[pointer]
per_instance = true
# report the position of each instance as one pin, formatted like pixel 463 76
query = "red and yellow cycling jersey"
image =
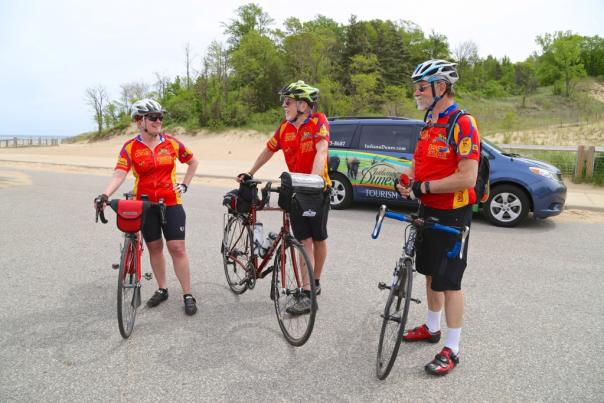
pixel 300 145
pixel 154 170
pixel 434 160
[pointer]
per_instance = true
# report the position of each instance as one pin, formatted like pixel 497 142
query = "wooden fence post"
pixel 579 164
pixel 590 156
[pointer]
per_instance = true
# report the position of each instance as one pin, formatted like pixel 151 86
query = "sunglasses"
pixel 155 118
pixel 422 88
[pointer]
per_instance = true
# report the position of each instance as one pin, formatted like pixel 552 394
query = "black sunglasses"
pixel 155 118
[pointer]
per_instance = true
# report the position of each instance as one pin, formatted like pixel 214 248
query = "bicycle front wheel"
pixel 127 288
pixel 294 292
pixel 236 253
pixel 394 319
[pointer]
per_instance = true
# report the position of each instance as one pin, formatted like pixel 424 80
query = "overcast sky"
pixel 51 51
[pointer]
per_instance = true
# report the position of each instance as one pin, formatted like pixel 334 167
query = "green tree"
pixel 561 59
pixel 525 79
pixel 592 55
pixel 257 71
pixel 250 17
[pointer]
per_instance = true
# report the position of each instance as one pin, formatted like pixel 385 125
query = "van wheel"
pixel 507 206
pixel 341 194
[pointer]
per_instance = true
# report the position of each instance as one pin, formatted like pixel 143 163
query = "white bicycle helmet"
pixel 145 107
pixel 435 70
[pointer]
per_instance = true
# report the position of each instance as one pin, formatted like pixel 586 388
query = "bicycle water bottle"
pixel 268 242
pixel 258 238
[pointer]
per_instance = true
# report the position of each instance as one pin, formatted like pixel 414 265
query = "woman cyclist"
pixel 152 155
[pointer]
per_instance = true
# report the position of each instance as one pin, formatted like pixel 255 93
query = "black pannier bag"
pixel 302 193
pixel 240 200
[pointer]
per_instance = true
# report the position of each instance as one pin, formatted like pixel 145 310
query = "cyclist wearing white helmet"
pixel 304 138
pixel 444 173
pixel 151 156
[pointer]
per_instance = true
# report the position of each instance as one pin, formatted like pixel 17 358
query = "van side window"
pixel 388 138
pixel 340 136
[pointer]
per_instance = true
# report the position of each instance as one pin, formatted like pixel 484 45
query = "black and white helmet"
pixel 145 107
pixel 435 70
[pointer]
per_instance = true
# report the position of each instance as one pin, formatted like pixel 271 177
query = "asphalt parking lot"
pixel 534 312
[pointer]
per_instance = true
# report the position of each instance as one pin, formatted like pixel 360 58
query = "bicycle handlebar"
pixel 113 203
pixel 427 223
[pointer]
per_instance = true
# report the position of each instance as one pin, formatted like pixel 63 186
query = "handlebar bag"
pixel 310 188
pixel 130 215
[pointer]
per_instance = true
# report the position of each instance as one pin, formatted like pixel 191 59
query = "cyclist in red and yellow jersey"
pixel 303 136
pixel 444 174
pixel 152 156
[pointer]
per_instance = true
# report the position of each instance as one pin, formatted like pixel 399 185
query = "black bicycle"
pixel 399 298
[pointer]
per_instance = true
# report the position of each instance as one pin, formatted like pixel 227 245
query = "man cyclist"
pixel 151 155
pixel 444 176
pixel 304 138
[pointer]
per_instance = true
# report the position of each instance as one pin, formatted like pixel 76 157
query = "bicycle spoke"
pixel 293 274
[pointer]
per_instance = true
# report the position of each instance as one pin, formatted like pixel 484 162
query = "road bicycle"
pixel 291 268
pixel 130 217
pixel 394 317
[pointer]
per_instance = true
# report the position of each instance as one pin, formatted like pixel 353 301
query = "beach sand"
pixel 221 156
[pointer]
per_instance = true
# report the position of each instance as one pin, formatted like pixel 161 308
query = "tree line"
pixel 361 68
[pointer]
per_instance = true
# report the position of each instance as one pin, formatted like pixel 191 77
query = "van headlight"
pixel 544 172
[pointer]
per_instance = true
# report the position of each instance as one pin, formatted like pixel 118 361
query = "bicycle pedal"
pixel 115 266
pixel 383 286
pixel 148 276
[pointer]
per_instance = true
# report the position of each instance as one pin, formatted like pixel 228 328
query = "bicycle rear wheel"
pixel 394 319
pixel 127 288
pixel 236 253
pixel 292 275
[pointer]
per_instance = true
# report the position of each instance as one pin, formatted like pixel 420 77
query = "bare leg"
pixel 320 249
pixel 158 262
pixel 436 299
pixel 181 264
pixel 308 248
pixel 454 307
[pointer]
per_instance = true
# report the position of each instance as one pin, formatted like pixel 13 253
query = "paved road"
pixel 535 313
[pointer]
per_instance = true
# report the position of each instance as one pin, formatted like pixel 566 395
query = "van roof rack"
pixel 366 117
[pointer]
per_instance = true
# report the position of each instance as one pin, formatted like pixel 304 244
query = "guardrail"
pixel 40 141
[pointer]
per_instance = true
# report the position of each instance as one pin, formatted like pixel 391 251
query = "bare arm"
pixel 193 163
pixel 318 166
pixel 464 178
pixel 262 159
pixel 119 176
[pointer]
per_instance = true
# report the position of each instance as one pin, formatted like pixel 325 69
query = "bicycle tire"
pixel 390 336
pixel 127 288
pixel 236 253
pixel 296 328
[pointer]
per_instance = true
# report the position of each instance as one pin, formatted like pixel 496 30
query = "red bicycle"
pixel 130 217
pixel 292 272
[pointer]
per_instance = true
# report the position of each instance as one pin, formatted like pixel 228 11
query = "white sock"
pixel 433 321
pixel 453 336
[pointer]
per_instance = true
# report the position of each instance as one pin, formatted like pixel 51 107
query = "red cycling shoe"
pixel 421 333
pixel 443 363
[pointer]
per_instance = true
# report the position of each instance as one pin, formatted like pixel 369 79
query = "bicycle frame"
pixel 259 265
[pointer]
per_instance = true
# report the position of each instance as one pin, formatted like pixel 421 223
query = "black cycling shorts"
pixel 175 224
pixel 432 247
pixel 310 227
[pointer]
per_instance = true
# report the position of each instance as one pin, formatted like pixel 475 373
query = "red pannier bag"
pixel 130 215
